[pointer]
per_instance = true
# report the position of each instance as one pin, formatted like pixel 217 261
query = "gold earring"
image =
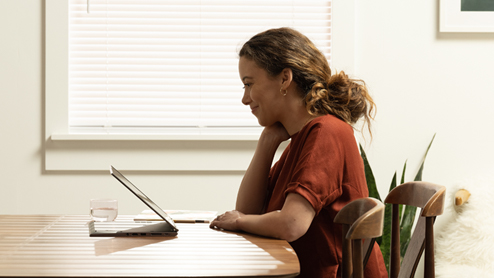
pixel 284 94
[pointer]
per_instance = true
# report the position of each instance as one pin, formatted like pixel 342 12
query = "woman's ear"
pixel 286 78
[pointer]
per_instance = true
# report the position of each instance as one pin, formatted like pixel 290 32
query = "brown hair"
pixel 323 93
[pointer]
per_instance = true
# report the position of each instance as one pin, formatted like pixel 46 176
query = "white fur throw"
pixel 464 246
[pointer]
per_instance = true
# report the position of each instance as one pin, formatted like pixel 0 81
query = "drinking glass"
pixel 103 209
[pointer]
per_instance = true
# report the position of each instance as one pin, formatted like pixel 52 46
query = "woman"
pixel 290 89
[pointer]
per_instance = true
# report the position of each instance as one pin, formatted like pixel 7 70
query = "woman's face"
pixel 261 92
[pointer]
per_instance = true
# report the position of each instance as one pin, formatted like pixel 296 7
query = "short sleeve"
pixel 317 173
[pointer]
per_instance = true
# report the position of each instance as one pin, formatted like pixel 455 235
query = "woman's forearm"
pixel 289 223
pixel 271 224
pixel 253 188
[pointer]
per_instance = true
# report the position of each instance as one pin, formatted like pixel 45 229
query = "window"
pixel 166 66
pixel 93 147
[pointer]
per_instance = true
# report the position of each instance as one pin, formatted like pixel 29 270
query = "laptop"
pixel 114 229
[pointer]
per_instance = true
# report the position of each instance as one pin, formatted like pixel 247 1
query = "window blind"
pixel 172 66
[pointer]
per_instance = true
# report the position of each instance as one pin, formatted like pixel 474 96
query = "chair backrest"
pixel 429 197
pixel 360 219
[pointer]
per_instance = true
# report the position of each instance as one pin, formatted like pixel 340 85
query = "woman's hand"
pixel 276 132
pixel 227 221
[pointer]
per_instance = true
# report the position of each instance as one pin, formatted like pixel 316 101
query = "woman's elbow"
pixel 292 232
pixel 291 237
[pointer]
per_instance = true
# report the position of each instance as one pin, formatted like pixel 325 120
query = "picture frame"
pixel 479 19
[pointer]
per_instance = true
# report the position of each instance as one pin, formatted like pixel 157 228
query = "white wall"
pixel 423 81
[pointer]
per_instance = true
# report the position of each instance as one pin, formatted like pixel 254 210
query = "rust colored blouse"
pixel 322 163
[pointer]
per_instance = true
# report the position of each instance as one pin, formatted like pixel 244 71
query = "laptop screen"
pixel 142 196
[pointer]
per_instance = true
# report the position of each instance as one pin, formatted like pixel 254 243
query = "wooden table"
pixel 60 246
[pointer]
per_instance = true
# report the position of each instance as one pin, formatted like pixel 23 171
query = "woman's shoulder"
pixel 325 130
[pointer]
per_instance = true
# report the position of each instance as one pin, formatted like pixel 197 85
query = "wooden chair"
pixel 430 198
pixel 361 219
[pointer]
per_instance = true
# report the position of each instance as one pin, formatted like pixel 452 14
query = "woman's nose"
pixel 246 97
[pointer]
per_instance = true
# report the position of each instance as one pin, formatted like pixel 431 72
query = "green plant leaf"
pixel 406 228
pixel 418 177
pixel 410 211
pixel 369 176
pixel 403 172
pixel 371 182
pixel 400 208
pixel 385 245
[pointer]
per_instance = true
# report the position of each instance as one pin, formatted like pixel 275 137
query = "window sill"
pixel 151 152
pixel 154 137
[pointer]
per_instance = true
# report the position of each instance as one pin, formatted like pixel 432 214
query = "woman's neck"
pixel 296 119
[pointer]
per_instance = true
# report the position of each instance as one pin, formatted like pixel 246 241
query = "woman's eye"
pixel 245 85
